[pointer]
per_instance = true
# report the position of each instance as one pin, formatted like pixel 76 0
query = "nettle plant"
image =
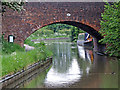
pixel 110 28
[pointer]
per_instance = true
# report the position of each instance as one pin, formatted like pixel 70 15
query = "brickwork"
pixel 85 15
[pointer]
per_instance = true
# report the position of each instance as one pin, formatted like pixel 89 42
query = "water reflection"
pixel 56 79
pixel 76 67
pixel 85 54
pixel 72 64
pixel 65 69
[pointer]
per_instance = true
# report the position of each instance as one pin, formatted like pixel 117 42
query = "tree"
pixel 57 27
pixel 110 28
pixel 74 33
pixel 16 6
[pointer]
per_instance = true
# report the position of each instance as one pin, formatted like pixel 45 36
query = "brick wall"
pixel 37 15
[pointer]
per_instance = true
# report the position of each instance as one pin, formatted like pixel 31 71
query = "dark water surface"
pixel 76 67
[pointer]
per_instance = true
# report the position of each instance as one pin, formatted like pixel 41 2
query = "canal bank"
pixel 24 74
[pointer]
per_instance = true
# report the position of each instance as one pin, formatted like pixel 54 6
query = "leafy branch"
pixel 110 28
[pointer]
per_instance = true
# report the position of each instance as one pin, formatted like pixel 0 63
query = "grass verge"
pixel 19 60
pixel 14 58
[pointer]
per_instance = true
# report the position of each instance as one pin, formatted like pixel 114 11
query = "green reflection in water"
pixel 110 79
pixel 95 70
pixel 37 82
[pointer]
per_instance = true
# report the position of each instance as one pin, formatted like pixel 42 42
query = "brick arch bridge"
pixel 85 15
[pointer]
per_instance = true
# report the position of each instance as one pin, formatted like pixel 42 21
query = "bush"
pixel 110 28
pixel 29 42
pixel 8 48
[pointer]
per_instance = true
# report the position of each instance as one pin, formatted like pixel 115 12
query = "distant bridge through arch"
pixel 84 15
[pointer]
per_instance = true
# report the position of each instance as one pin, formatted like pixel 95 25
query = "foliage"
pixel 29 42
pixel 110 28
pixel 8 48
pixel 74 33
pixel 57 27
pixel 16 6
pixel 45 33
pixel 19 60
pixel 55 31
pixel 14 58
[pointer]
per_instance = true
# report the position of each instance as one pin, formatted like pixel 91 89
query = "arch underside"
pixel 98 47
pixel 84 27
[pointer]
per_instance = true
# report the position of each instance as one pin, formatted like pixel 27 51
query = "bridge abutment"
pixel 98 47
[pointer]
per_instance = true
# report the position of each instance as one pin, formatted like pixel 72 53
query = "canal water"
pixel 76 67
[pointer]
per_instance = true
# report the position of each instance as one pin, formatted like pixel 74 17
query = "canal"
pixel 76 67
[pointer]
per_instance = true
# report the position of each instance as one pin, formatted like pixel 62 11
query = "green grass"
pixel 16 61
pixel 8 48
pixel 14 58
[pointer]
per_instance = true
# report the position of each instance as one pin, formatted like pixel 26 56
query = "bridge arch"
pixel 84 27
pixel 84 15
pixel 95 34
